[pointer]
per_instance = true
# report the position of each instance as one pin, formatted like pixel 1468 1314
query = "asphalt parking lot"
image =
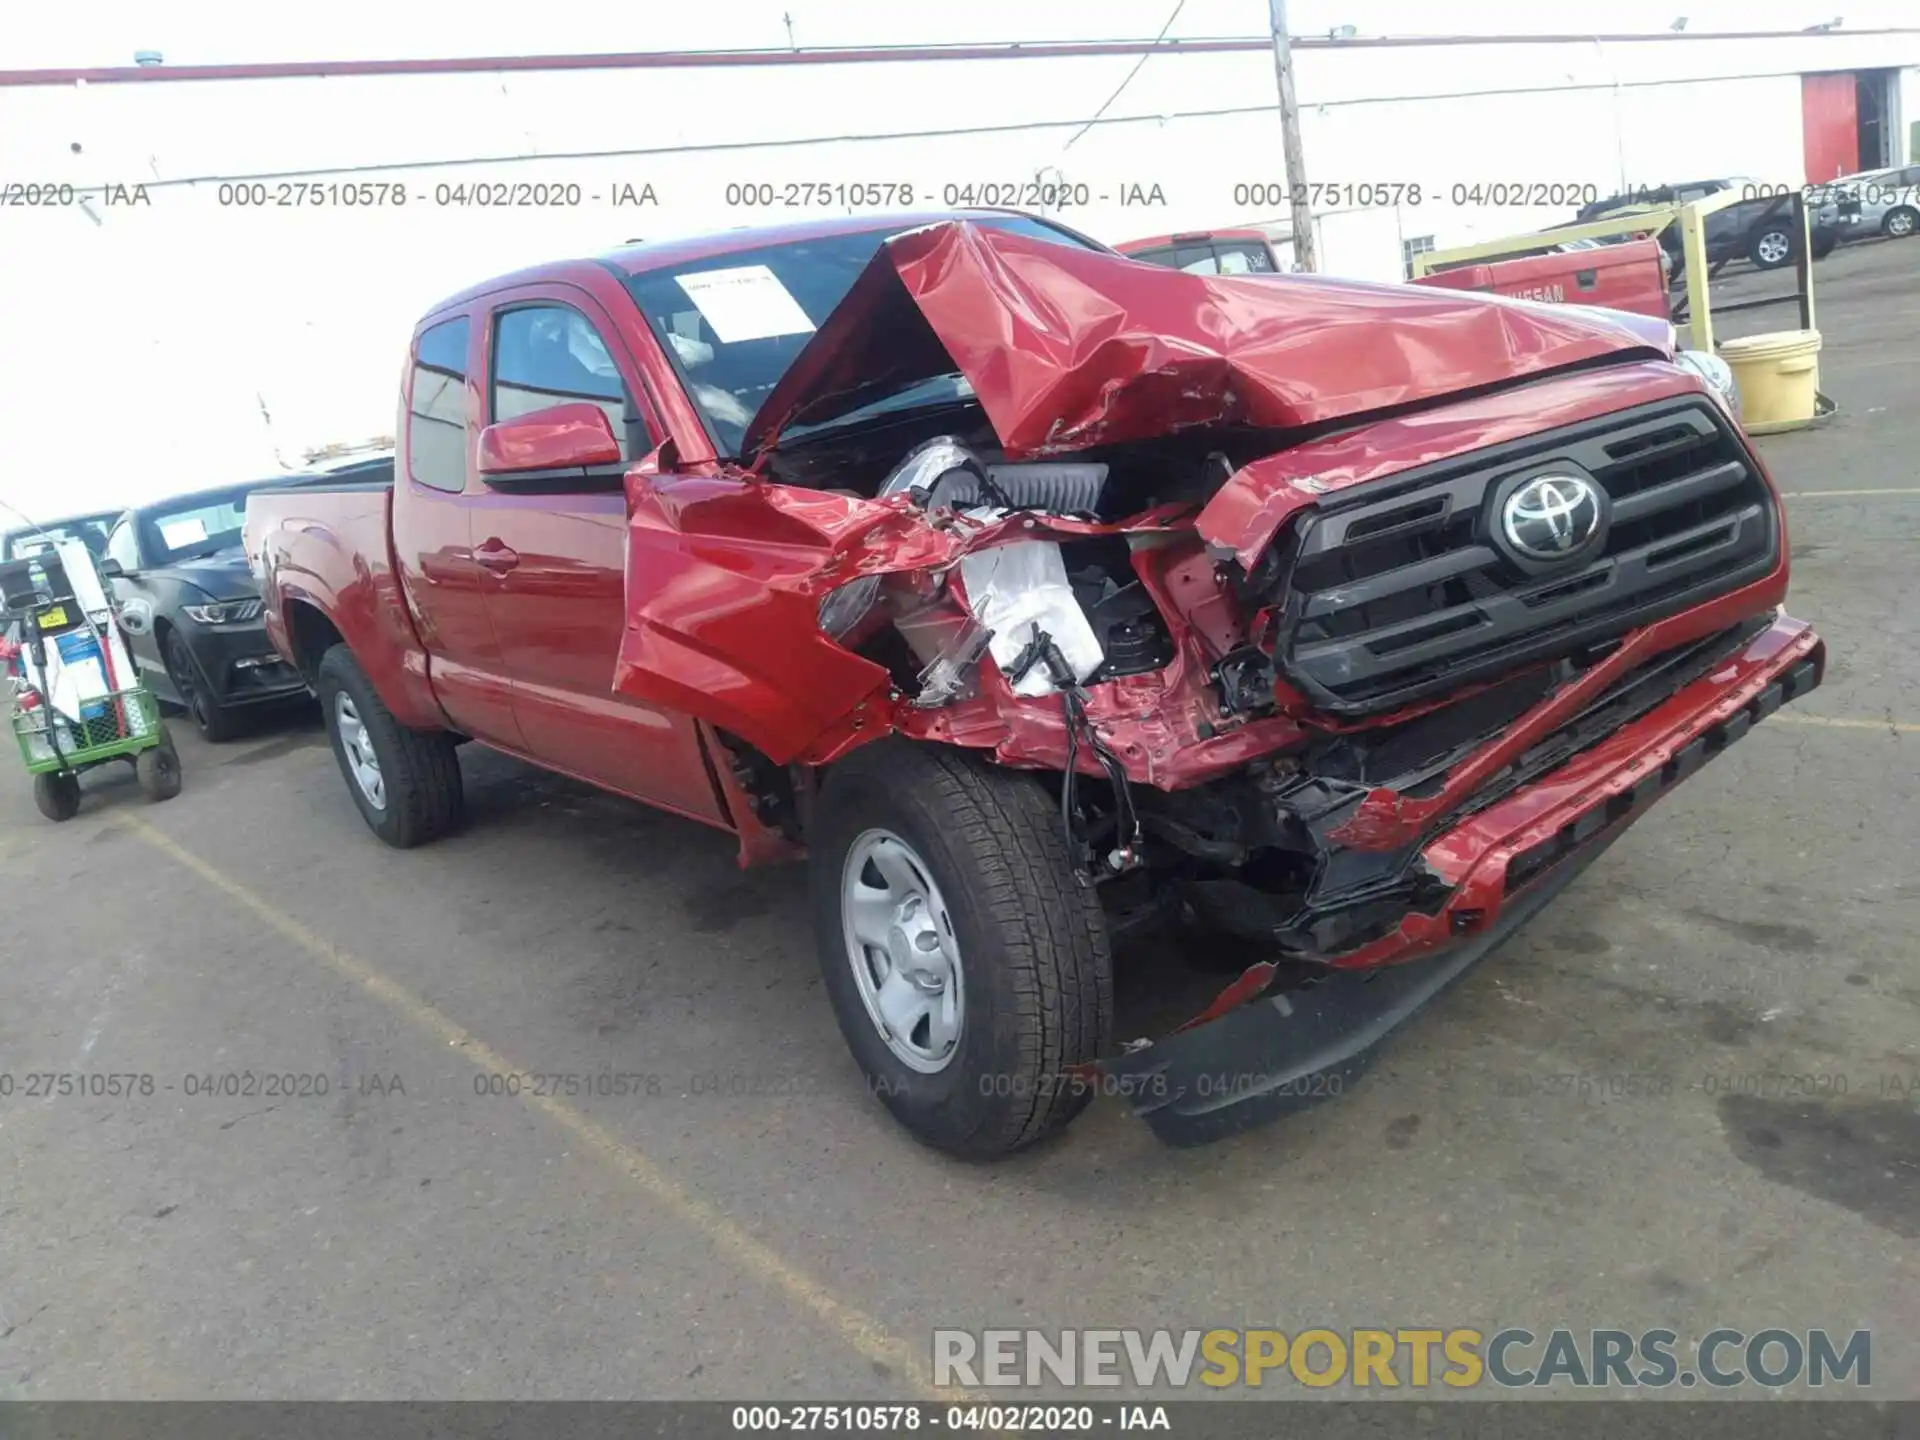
pixel 752 1224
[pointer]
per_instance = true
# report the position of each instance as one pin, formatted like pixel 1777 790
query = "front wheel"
pixel 57 794
pixel 965 958
pixel 1771 248
pixel 213 720
pixel 406 782
pixel 158 769
pixel 1901 222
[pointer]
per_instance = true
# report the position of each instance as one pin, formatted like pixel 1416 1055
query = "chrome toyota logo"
pixel 1551 516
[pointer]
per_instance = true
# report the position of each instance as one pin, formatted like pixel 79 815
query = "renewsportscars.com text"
pixel 1511 1358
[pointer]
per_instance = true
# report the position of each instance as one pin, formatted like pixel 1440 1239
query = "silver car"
pixel 1883 202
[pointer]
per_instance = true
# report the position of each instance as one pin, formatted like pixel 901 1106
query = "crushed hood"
pixel 1069 348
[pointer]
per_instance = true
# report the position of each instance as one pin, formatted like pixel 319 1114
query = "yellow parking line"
pixel 1896 727
pixel 1841 494
pixel 859 1330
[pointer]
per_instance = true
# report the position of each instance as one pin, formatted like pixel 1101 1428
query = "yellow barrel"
pixel 1779 378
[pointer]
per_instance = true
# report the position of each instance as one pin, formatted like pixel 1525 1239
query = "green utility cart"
pixel 75 700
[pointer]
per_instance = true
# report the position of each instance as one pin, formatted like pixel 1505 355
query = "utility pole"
pixel 1303 247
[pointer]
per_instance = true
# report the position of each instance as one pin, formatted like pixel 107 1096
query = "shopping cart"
pixel 76 701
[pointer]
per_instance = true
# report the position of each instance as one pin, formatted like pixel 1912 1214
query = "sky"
pixel 156 353
pixel 221 31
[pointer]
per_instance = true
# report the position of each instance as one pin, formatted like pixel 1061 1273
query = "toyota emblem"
pixel 1551 516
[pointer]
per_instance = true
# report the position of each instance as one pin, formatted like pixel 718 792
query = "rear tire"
pixel 1028 944
pixel 1901 222
pixel 57 795
pixel 406 782
pixel 158 769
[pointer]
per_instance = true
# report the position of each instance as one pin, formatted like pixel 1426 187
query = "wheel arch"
pixel 163 632
pixel 310 634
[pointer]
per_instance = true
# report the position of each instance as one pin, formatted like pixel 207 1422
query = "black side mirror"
pixel 109 569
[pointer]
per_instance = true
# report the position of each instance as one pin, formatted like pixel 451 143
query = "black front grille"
pixel 1402 589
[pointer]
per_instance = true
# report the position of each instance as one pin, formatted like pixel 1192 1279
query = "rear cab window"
pixel 437 407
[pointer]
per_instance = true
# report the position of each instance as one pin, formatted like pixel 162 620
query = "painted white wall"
pixel 196 312
pixel 1906 113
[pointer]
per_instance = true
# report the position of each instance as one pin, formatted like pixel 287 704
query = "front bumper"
pixel 1253 1056
pixel 239 663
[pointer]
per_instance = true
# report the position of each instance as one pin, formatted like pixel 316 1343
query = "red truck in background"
pixel 1031 593
pixel 1630 276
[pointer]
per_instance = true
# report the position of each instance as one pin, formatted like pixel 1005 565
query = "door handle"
pixel 496 555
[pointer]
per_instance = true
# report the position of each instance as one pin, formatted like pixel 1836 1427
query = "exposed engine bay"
pixel 1109 620
pixel 1234 597
pixel 1061 616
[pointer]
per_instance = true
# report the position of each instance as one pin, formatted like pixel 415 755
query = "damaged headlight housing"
pixel 944 638
pixel 1716 372
pixel 1018 606
pixel 847 605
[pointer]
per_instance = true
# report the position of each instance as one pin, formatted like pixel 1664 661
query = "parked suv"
pixel 1758 227
pixel 89 530
pixel 1883 202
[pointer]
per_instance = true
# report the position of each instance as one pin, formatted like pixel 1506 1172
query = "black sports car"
pixel 190 608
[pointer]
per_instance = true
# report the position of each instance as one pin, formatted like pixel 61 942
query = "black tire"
pixel 1775 239
pixel 1035 965
pixel 57 794
pixel 158 769
pixel 214 722
pixel 1901 222
pixel 418 768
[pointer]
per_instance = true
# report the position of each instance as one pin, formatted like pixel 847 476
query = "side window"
pixel 551 355
pixel 121 546
pixel 437 409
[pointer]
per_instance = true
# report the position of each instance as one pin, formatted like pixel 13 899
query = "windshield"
pixel 732 324
pixel 90 530
pixel 195 525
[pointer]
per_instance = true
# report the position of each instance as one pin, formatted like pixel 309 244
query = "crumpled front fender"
pixel 724 578
pixel 723 585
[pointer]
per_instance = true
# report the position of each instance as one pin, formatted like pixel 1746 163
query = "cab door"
pixel 435 488
pixel 554 556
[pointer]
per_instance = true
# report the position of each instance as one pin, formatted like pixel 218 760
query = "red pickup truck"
pixel 1630 275
pixel 1034 593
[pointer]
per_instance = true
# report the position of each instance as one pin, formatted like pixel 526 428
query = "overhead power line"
pixel 952 132
pixel 850 55
pixel 1145 55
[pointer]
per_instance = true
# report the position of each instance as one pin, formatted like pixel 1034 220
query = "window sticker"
pixel 746 303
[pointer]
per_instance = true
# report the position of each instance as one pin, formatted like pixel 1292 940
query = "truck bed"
pixel 323 554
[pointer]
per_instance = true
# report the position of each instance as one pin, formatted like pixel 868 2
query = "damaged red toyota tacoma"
pixel 1034 593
